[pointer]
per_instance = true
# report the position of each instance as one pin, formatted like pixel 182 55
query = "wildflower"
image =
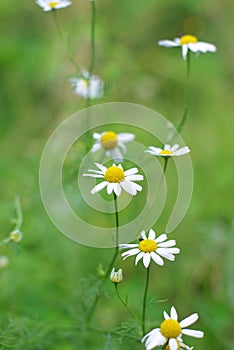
pixel 16 236
pixel 188 42
pixel 48 5
pixel 4 261
pixel 111 142
pixel 151 248
pixel 116 179
pixel 87 86
pixel 116 277
pixel 168 151
pixel 171 331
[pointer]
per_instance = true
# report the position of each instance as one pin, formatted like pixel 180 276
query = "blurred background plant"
pixel 40 291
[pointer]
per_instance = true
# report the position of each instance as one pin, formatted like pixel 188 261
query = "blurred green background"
pixel 40 290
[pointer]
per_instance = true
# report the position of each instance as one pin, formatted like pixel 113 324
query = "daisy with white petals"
pixel 111 142
pixel 87 86
pixel 151 248
pixel 188 42
pixel 116 179
pixel 171 331
pixel 168 151
pixel 48 5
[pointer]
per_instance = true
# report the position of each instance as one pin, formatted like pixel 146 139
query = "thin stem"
pixel 116 236
pixel 93 20
pixel 19 214
pixel 186 103
pixel 125 304
pixel 145 299
pixel 67 45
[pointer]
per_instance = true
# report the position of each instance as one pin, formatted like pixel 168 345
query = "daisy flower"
pixel 171 331
pixel 116 276
pixel 188 42
pixel 151 248
pixel 87 86
pixel 168 151
pixel 16 236
pixel 48 5
pixel 116 179
pixel 110 141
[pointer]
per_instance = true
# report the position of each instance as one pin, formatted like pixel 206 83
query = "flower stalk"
pixel 145 299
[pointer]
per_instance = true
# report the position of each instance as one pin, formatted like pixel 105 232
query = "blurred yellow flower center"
pixel 165 151
pixel 52 4
pixel 188 39
pixel 114 174
pixel 109 140
pixel 170 328
pixel 148 246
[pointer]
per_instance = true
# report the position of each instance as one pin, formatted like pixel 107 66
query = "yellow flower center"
pixel 147 245
pixel 188 39
pixel 109 140
pixel 165 151
pixel 52 4
pixel 114 174
pixel 170 328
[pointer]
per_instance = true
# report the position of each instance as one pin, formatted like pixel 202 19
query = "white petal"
pixel 157 259
pixel 174 314
pixel 167 43
pixel 166 316
pixel 117 189
pixel 161 238
pixel 189 320
pixel 97 136
pixel 127 186
pixel 110 187
pixel 131 171
pixel 96 172
pixel 135 177
pixel 96 147
pixel 166 255
pixel 130 252
pixel 101 167
pixel 116 155
pixel 135 186
pixel 146 259
pixel 152 333
pixel 184 51
pixel 173 344
pixel 182 151
pixel 94 175
pixel 125 137
pixel 167 147
pixel 193 333
pixel 99 187
pixel 170 243
pixel 155 149
pixel 121 145
pixel 154 339
pixel 152 234
pixel 174 147
pixel 126 246
pixel 139 257
pixel 143 235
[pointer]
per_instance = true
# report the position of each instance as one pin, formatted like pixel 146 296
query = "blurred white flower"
pixel 111 142
pixel 116 276
pixel 188 42
pixel 87 86
pixel 151 248
pixel 4 261
pixel 171 332
pixel 16 236
pixel 168 151
pixel 48 5
pixel 116 179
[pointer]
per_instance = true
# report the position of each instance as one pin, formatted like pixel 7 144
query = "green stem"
pixel 124 303
pixel 112 261
pixel 145 299
pixel 68 48
pixel 186 104
pixel 93 20
pixel 19 215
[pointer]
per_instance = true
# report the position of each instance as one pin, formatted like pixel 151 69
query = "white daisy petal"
pixel 117 189
pixel 174 147
pixel 189 320
pixel 152 234
pixel 99 187
pixel 146 260
pixel 139 257
pixel 126 246
pixel 157 258
pixel 125 137
pixel 166 255
pixel 135 186
pixel 135 177
pixel 173 313
pixel 97 136
pixel 94 175
pixel 124 149
pixel 143 235
pixel 193 333
pixel 130 253
pixel 96 147
pixel 101 167
pixel 182 151
pixel 131 171
pixel 110 187
pixel 116 155
pixel 173 344
pixel 167 244
pixel 184 51
pixel 167 43
pixel 127 186
pixel 166 316
pixel 161 238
